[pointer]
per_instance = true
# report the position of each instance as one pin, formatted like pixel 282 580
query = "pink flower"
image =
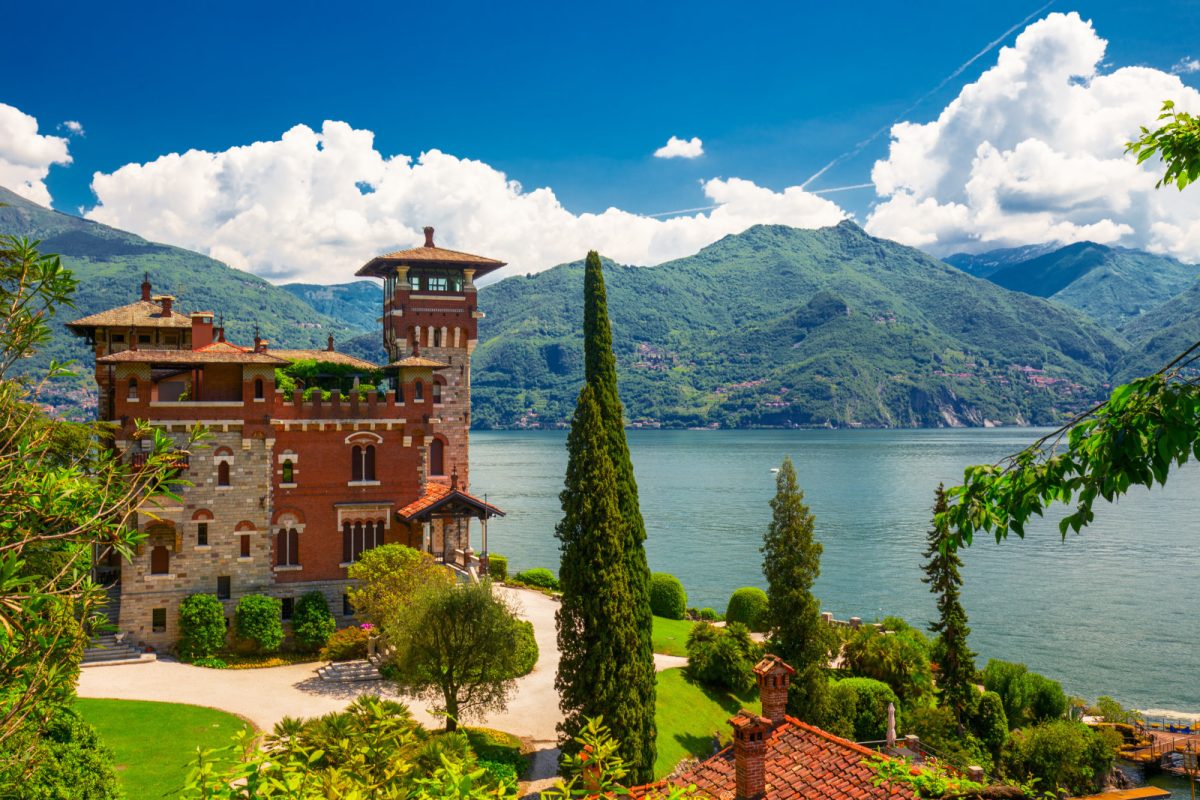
pixel 366 626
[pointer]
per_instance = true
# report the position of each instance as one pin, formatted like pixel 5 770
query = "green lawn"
pixel 155 743
pixel 688 714
pixel 670 636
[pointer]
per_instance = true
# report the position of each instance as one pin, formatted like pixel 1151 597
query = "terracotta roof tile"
pixel 328 356
pixel 802 763
pixel 419 361
pixel 437 494
pixel 142 314
pixel 202 356
pixel 429 255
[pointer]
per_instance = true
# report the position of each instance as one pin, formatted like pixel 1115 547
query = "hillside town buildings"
pixel 289 489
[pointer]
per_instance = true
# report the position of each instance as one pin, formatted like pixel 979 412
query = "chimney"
pixel 750 754
pixel 454 477
pixel 167 302
pixel 329 344
pixel 146 287
pixel 260 345
pixel 202 329
pixel 773 676
pixel 257 340
pixel 429 236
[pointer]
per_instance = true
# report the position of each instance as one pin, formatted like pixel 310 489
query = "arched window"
pixel 289 472
pixel 223 473
pixel 132 389
pixel 437 337
pixel 160 560
pixel 258 388
pixel 369 463
pixel 418 392
pixel 437 457
pixel 287 549
pixel 379 534
pixel 347 543
pixel 356 464
pixel 399 392
pixel 358 541
pixel 436 390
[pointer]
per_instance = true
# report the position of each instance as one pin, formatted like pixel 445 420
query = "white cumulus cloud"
pixel 26 155
pixel 681 148
pixel 72 127
pixel 315 205
pixel 1033 151
pixel 1186 66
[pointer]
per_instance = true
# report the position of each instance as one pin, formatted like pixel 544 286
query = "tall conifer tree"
pixel 791 564
pixel 956 662
pixel 607 666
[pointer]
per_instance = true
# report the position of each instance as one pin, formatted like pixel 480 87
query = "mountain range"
pixel 774 326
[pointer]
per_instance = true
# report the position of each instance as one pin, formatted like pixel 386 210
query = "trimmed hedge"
pixel 538 576
pixel 312 624
pixel 498 567
pixel 259 619
pixel 527 649
pixel 201 626
pixel 708 615
pixel 667 596
pixel 748 606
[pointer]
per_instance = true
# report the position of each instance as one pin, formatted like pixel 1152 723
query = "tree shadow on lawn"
pixel 726 699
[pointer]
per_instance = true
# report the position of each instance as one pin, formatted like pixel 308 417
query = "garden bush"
pixel 69 760
pixel 748 606
pixel 540 577
pixel 709 615
pixel 346 644
pixel 312 624
pixel 527 649
pixel 860 707
pixel 258 619
pixel 201 626
pixel 498 567
pixel 210 662
pixel 667 596
pixel 723 657
pixel 1062 755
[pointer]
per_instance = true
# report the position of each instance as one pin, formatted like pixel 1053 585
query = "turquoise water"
pixel 1113 611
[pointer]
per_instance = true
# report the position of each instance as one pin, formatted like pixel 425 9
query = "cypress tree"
pixel 791 564
pixel 956 662
pixel 619 646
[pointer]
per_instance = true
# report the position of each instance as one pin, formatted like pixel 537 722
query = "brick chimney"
pixel 750 754
pixel 202 329
pixel 429 236
pixel 167 302
pixel 260 345
pixel 146 287
pixel 773 676
pixel 329 344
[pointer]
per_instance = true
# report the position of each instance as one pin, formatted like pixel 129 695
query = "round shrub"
pixel 210 663
pixel 312 624
pixel 708 615
pixel 667 597
pixel 201 626
pixel 538 576
pixel 748 606
pixel 259 619
pixel 347 644
pixel 722 656
pixel 498 567
pixel 527 649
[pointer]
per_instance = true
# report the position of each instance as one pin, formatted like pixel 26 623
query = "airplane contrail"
pixel 858 148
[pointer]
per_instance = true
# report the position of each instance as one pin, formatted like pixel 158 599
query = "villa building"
pixel 288 490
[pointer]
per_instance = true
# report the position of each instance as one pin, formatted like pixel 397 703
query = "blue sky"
pixel 575 97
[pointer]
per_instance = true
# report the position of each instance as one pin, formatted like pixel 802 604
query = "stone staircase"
pixel 349 671
pixel 105 649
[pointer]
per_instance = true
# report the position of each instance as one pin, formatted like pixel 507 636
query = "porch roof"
pixel 444 498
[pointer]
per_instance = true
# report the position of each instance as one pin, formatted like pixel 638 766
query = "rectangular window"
pixel 118 337
pixel 202 534
pixel 347 609
pixel 144 338
pixel 245 552
pixel 224 587
pixel 287 606
pixel 158 620
pixel 436 283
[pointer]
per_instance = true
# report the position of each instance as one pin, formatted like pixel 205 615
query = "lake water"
pixel 1115 610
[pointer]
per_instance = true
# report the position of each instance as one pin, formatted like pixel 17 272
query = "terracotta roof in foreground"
pixel 203 356
pixel 328 356
pixel 437 495
pixel 802 762
pixel 142 314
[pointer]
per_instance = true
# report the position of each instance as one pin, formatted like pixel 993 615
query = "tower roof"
pixel 428 255
pixel 142 314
